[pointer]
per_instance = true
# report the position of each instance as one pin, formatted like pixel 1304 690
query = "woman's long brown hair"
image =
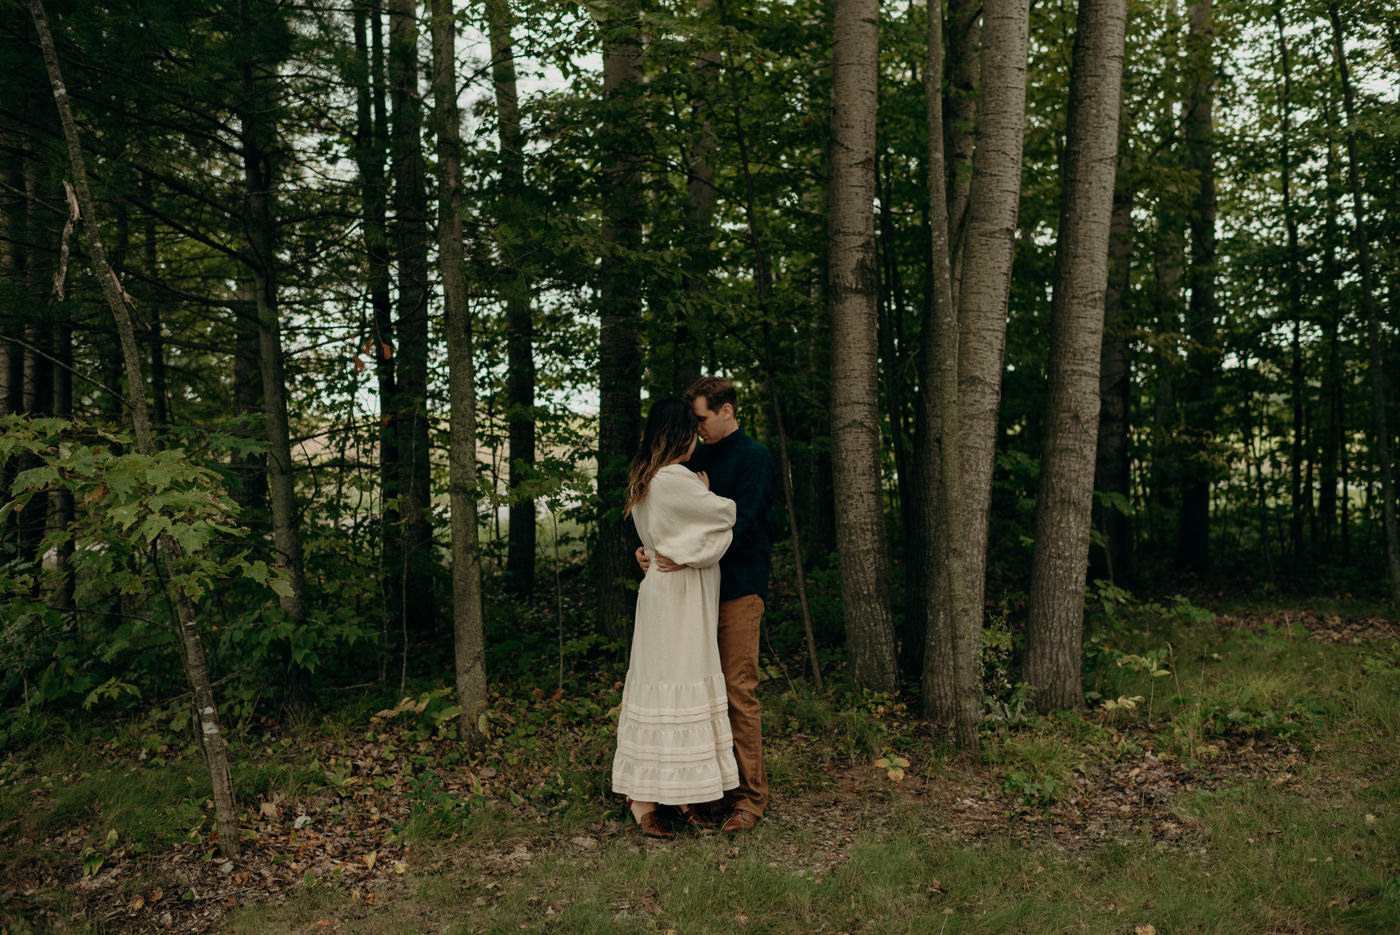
pixel 670 428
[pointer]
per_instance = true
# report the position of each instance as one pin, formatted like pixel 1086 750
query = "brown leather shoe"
pixel 652 827
pixel 650 824
pixel 696 818
pixel 740 820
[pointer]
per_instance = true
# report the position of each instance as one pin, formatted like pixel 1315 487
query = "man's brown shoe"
pixel 697 818
pixel 741 820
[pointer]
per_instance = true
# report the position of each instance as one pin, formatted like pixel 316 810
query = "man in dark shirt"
pixel 742 470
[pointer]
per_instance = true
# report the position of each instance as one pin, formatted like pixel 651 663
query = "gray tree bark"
pixel 468 633
pixel 982 303
pixel 855 427
pixel 942 558
pixel 1054 629
pixel 963 68
pixel 192 648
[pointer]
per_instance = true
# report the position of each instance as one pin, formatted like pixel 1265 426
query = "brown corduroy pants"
pixel 738 659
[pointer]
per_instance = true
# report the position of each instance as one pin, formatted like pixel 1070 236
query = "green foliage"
pixel 114 648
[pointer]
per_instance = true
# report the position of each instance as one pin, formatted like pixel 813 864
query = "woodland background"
pixel 400 280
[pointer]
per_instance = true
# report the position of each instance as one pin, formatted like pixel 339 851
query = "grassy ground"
pixel 1234 774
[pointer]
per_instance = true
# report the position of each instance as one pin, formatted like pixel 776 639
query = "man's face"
pixel 714 424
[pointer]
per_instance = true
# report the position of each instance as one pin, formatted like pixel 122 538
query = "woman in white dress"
pixel 674 746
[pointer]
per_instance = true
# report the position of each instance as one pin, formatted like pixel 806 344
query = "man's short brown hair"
pixel 716 390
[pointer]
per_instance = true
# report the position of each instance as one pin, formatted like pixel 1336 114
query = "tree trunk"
pixel 1055 624
pixel 250 492
pixel 259 141
pixel 371 145
pixel 468 636
pixel 1376 358
pixel 620 306
pixel 982 304
pixel 513 221
pixel 1295 301
pixel 411 595
pixel 211 737
pixel 12 281
pixel 963 67
pixel 1112 468
pixel 942 558
pixel 1333 429
pixel 698 232
pixel 1197 393
pixel 855 432
pixel 762 281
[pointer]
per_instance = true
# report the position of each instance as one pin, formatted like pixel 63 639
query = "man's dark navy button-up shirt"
pixel 742 470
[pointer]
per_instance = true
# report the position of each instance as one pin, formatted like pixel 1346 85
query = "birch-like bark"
pixel 1055 625
pixel 192 648
pixel 982 304
pixel 1376 357
pixel 468 632
pixel 855 433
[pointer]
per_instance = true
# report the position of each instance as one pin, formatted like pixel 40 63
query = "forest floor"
pixel 1232 774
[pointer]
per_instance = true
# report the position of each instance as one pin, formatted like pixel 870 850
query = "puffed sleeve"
pixel 690 525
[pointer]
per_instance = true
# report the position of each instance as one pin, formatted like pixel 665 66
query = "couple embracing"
pixel 688 732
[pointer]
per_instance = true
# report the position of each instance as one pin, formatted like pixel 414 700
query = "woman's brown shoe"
pixel 697 819
pixel 650 824
pixel 653 828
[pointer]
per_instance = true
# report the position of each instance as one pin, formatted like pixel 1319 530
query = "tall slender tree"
pixel 983 295
pixel 410 582
pixel 210 735
pixel 512 222
pixel 1196 393
pixel 468 635
pixel 855 433
pixel 371 149
pixel 619 311
pixel 942 558
pixel 1294 286
pixel 1376 356
pixel 1054 628
pixel 267 33
pixel 1112 472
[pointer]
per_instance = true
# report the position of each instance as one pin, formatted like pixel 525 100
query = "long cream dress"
pixel 674 745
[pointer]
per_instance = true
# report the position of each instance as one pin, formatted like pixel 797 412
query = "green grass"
pixel 1287 809
pixel 1259 861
